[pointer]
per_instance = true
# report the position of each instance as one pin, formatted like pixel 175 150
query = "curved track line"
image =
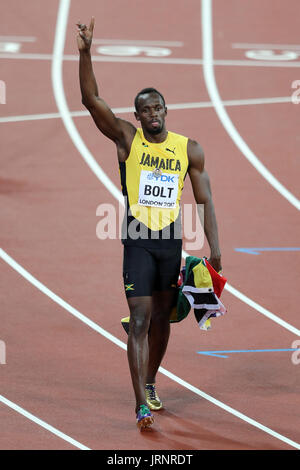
pixel 42 423
pixel 41 287
pixel 57 83
pixel 59 94
pixel 208 70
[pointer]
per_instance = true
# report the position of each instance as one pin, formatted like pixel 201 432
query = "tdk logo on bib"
pixel 164 178
pixel 158 190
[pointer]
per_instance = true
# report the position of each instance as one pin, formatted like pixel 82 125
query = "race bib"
pixel 158 189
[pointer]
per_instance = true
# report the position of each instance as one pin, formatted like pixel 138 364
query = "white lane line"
pixel 256 63
pixel 26 56
pixel 42 423
pixel 37 117
pixel 208 69
pixel 138 42
pixel 145 60
pixel 171 107
pixel 98 58
pixel 41 287
pixel 142 60
pixel 17 38
pixel 29 117
pixel 244 102
pixel 284 47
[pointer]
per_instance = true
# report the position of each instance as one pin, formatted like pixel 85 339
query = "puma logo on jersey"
pixel 172 151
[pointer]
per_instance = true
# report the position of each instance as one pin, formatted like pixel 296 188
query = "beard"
pixel 155 131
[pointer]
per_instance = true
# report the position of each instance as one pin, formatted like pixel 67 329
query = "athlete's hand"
pixel 85 35
pixel 215 262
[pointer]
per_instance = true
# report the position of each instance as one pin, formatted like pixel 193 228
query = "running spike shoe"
pixel 153 400
pixel 144 417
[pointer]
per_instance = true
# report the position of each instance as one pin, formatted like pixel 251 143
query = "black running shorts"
pixel 150 269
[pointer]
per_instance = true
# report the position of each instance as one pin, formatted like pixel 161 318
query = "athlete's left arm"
pixel 202 193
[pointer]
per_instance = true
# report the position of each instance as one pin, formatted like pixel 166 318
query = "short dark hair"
pixel 143 92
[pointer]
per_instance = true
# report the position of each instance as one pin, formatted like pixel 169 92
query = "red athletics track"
pixel 59 368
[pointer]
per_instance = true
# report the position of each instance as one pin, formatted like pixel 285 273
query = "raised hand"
pixel 85 35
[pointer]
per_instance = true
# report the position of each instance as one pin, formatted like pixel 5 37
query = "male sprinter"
pixel 153 164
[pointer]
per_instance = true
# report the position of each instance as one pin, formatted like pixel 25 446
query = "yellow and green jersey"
pixel 152 180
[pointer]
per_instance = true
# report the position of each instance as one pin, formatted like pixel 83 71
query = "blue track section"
pixel 257 251
pixel 222 353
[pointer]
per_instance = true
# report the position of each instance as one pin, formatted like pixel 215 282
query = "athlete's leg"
pixel 163 300
pixel 139 270
pixel 137 345
pixel 162 304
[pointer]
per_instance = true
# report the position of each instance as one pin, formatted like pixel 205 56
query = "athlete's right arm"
pixel 118 130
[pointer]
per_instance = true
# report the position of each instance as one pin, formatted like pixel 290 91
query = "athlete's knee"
pixel 139 326
pixel 139 320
